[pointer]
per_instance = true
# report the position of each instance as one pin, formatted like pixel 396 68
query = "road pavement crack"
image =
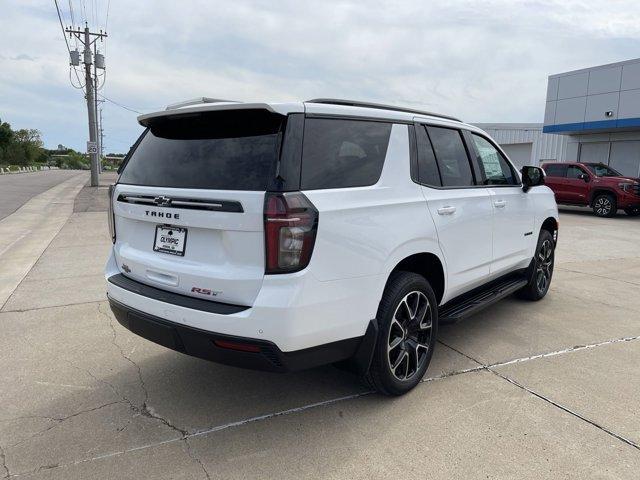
pixel 566 409
pixel 23 310
pixel 144 409
pixel 59 421
pixel 3 460
pixel 490 368
pixel 196 459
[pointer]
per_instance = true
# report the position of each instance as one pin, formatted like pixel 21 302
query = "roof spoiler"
pixel 198 101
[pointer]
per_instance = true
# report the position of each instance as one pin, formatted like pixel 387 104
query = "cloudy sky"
pixel 484 61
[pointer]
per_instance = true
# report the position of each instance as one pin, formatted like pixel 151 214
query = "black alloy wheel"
pixel 604 206
pixel 409 336
pixel 544 266
pixel 408 325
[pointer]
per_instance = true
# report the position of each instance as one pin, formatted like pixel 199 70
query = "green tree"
pixel 6 137
pixel 76 161
pixel 6 134
pixel 30 145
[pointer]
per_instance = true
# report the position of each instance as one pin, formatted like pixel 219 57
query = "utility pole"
pixel 98 63
pixel 95 105
pixel 92 147
pixel 101 136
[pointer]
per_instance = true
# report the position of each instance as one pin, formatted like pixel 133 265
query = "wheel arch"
pixel 601 191
pixel 550 225
pixel 426 264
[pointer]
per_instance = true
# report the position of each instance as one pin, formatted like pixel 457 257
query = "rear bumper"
pixel 294 311
pixel 201 343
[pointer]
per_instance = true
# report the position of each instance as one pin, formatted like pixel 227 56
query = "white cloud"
pixel 480 60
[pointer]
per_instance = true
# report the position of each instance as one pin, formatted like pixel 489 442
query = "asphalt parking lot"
pixel 522 390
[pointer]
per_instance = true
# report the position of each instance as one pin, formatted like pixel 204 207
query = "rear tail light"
pixel 112 220
pixel 290 226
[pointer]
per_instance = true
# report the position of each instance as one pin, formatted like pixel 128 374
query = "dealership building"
pixel 591 115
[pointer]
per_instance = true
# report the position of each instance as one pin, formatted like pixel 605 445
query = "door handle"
pixel 447 210
pixel 500 203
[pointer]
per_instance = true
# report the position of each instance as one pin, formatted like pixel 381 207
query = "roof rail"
pixel 354 103
pixel 196 101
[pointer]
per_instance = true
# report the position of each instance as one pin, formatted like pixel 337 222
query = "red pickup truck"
pixel 594 185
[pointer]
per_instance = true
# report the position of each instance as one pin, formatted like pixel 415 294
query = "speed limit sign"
pixel 92 147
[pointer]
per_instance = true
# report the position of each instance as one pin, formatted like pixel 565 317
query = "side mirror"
pixel 532 177
pixel 585 177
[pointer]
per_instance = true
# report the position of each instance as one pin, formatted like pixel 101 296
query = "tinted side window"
pixel 574 172
pixel 496 168
pixel 455 169
pixel 555 170
pixel 343 153
pixel 427 167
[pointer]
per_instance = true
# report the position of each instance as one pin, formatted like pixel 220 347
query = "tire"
pixel 632 211
pixel 604 205
pixel 408 325
pixel 541 269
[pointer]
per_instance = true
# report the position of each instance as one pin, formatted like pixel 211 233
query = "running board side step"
pixel 477 300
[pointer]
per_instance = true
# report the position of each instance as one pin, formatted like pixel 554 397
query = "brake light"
pixel 290 226
pixel 111 219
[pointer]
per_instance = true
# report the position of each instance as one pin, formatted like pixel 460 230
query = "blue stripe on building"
pixel 596 125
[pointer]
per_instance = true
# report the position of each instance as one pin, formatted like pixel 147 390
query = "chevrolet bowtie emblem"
pixel 162 201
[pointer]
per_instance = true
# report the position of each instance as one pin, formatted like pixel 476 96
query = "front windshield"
pixel 603 171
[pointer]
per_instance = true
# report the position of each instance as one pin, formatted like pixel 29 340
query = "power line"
pixel 73 21
pixel 64 35
pixel 120 105
pixel 106 22
pixel 84 11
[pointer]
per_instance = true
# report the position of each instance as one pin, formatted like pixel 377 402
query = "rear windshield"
pixel 230 150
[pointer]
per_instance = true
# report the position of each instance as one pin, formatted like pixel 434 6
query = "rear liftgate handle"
pixel 500 203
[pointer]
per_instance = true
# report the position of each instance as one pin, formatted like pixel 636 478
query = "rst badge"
pixel 205 291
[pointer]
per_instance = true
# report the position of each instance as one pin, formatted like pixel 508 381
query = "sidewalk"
pixel 508 395
pixel 26 233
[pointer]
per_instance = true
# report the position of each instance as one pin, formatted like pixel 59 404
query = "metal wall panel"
pixel 629 104
pixel 570 110
pixel 552 89
pixel 550 113
pixel 598 105
pixel 631 76
pixel 604 80
pixel 572 86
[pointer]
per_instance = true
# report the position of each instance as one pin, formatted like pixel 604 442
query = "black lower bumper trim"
pixel 200 343
pixel 148 291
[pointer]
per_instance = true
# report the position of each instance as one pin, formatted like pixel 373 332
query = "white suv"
pixel 283 236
